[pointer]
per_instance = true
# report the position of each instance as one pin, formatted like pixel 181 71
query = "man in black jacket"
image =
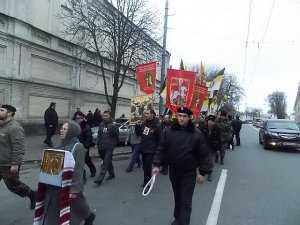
pixel 86 138
pixel 237 126
pixel 150 131
pixel 51 123
pixel 184 148
pixel 166 123
pixel 108 138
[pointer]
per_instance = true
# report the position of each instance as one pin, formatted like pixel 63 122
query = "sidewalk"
pixel 35 146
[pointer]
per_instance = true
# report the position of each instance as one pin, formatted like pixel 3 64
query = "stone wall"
pixel 37 68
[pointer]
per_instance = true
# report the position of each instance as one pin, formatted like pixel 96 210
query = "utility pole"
pixel 164 54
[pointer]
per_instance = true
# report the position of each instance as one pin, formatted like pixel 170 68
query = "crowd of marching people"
pixel 181 146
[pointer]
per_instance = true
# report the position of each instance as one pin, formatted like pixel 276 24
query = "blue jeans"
pixel 135 158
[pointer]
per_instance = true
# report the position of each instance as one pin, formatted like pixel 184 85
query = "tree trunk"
pixel 114 101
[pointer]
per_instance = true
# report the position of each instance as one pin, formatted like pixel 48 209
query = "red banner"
pixel 180 85
pixel 146 76
pixel 200 92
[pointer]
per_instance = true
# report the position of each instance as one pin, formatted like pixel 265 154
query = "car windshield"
pixel 283 125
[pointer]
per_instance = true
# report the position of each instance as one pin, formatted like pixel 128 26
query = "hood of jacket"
pixel 73 132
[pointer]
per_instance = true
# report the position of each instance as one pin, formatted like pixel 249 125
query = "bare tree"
pixel 253 112
pixel 232 90
pixel 278 104
pixel 230 93
pixel 120 33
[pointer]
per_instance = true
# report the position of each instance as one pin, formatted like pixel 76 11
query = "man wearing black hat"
pixel 184 148
pixel 51 123
pixel 12 149
pixel 237 126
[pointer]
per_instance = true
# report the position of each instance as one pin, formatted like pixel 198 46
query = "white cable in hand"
pixel 150 184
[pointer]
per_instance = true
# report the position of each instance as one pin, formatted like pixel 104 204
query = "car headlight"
pixel 274 134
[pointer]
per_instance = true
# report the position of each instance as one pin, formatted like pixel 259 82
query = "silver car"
pixel 123 132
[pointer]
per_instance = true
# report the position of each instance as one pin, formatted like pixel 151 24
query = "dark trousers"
pixel 13 183
pixel 237 138
pixel 80 209
pixel 89 162
pixel 106 156
pixel 183 184
pixel 147 166
pixel 221 153
pixel 231 142
pixel 50 131
pixel 135 158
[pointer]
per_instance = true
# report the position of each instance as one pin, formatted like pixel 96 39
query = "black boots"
pixel 209 177
pixel 164 170
pixel 110 177
pixel 175 222
pixel 32 199
pixel 101 178
pixel 93 174
pixel 90 219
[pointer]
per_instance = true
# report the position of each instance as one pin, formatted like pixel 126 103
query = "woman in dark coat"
pixel 86 138
pixel 79 208
pixel 213 137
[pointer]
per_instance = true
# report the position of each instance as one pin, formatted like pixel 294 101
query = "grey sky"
pixel 215 31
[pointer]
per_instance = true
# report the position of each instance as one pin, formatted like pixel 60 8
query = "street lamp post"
pixel 164 54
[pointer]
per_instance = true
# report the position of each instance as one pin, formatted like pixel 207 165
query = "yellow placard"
pixel 53 162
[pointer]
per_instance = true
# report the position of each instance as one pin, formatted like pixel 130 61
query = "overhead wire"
pixel 262 40
pixel 246 45
pixel 247 40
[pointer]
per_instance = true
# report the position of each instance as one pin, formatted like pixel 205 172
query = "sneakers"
pixel 90 219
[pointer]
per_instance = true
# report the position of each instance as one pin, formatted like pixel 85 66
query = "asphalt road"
pixel 257 187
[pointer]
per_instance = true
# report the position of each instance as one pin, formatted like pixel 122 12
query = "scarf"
pixel 64 196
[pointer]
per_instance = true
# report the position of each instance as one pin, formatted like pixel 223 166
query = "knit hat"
pixel 9 108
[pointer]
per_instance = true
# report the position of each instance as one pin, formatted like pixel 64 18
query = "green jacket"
pixel 226 131
pixel 12 143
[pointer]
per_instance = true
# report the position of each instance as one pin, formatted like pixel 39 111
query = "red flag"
pixel 146 76
pixel 200 92
pixel 180 85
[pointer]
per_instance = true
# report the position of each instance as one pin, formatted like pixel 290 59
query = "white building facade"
pixel 37 66
pixel 297 107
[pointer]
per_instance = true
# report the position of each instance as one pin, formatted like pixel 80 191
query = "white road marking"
pixel 216 205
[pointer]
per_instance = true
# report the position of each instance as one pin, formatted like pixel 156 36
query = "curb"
pixel 118 156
